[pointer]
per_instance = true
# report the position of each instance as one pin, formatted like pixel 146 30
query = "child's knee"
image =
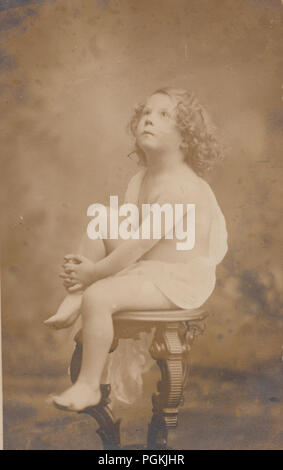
pixel 96 297
pixel 109 230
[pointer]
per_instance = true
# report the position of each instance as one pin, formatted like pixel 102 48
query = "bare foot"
pixel 78 397
pixel 59 323
pixel 67 313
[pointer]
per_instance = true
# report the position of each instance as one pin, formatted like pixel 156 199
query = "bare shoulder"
pixel 197 191
pixel 207 190
pixel 181 186
pixel 196 187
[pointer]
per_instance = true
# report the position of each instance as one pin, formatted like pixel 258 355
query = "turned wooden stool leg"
pixel 170 347
pixel 109 430
pixel 167 349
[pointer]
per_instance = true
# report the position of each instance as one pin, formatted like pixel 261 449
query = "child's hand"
pixel 79 272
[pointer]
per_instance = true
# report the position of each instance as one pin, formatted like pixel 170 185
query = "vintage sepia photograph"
pixel 141 257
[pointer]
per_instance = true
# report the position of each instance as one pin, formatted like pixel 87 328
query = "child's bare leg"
pixel 67 313
pixel 69 309
pixel 100 301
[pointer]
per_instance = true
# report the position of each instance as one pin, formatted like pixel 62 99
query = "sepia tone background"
pixel 70 75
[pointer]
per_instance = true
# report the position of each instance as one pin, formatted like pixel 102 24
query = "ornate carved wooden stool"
pixel 175 331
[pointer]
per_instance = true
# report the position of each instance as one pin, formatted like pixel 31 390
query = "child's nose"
pixel 148 120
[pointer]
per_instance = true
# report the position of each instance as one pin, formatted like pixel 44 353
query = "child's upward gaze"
pixel 176 145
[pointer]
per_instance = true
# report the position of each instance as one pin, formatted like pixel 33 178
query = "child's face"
pixel 157 129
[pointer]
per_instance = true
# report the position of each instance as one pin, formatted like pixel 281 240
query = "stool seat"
pixel 161 315
pixel 144 320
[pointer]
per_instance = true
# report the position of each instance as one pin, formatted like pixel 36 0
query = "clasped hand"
pixel 79 272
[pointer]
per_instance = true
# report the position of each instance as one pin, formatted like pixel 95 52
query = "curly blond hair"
pixel 200 145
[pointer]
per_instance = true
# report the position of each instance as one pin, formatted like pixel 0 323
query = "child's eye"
pixel 164 114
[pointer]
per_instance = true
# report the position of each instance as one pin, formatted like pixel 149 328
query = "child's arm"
pixel 125 254
pixel 86 271
pixel 129 251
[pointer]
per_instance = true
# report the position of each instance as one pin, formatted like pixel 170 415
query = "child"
pixel 176 143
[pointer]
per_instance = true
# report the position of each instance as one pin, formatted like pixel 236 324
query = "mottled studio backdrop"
pixel 70 74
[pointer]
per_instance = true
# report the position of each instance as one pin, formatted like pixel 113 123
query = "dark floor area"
pixel 223 409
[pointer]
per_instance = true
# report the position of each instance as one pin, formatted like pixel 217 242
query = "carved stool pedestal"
pixel 174 335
